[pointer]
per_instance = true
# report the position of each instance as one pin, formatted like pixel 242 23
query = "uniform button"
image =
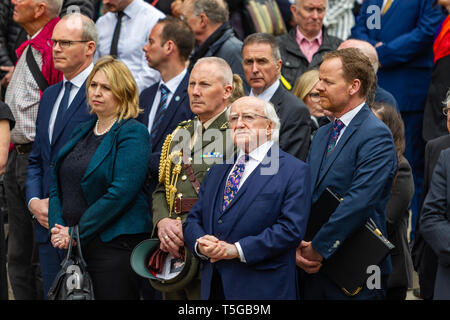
pixel 287 63
pixel 184 177
pixel 179 195
pixel 208 169
pixel 220 221
pixel 190 159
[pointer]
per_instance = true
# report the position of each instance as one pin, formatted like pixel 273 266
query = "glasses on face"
pixel 63 43
pixel 445 110
pixel 245 117
pixel 315 96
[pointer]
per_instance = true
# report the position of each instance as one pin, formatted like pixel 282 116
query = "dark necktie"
pixel 337 127
pixel 115 39
pixel 231 188
pixel 162 107
pixel 63 105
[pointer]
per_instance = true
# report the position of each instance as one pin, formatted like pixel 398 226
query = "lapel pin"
pixel 177 98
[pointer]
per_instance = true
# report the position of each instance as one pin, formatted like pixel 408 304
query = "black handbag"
pixel 72 282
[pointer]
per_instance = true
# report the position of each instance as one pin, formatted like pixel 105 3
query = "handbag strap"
pixel 34 68
pixel 80 254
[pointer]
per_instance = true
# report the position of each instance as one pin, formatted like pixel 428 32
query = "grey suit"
pixel 435 223
pixel 295 130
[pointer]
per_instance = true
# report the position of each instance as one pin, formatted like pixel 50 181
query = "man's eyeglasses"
pixel 246 117
pixel 63 43
pixel 315 96
pixel 445 110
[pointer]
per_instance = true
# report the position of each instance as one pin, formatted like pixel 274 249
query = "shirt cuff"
pixel 30 201
pixel 201 256
pixel 241 253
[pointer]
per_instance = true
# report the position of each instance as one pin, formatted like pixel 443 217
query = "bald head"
pixel 366 48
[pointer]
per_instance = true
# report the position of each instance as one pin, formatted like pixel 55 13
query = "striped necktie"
pixel 162 107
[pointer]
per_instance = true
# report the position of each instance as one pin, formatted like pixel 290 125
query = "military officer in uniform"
pixel 186 157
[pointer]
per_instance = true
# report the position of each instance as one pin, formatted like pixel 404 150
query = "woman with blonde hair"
pixel 305 90
pixel 97 183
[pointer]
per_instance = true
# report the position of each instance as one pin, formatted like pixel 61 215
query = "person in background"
pixel 339 18
pixel 23 94
pixel 424 259
pixel 434 124
pixel 304 46
pixel 97 185
pixel 305 90
pixel 122 32
pixel 6 124
pixel 397 209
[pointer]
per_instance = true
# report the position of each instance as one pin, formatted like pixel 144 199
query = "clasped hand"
pixel 216 249
pixel 170 234
pixel 308 258
pixel 60 237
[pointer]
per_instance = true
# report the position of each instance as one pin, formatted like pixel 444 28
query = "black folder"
pixel 321 211
pixel 347 267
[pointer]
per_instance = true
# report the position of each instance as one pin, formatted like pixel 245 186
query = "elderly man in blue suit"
pixel 62 107
pixel 165 103
pixel 354 156
pixel 251 213
pixel 403 32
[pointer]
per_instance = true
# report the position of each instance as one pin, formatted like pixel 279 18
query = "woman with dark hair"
pixel 397 213
pixel 97 183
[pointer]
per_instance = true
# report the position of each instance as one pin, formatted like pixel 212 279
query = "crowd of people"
pixel 175 121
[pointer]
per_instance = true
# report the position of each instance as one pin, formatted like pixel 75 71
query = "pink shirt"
pixel 309 48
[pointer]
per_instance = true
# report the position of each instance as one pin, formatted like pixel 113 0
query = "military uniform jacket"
pixel 212 147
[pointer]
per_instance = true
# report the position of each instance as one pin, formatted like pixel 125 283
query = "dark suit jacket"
pixel 435 223
pixel 42 157
pixel 111 184
pixel 267 217
pixel 295 130
pixel 407 31
pixel 397 215
pixel 360 169
pixel 178 110
pixel 424 258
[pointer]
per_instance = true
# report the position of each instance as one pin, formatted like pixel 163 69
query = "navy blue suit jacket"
pixel 406 56
pixel 178 110
pixel 435 223
pixel 43 155
pixel 361 170
pixel 267 217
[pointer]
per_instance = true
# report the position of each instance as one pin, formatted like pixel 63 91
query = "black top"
pixel 5 114
pixel 71 172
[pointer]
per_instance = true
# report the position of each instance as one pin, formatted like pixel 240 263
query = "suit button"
pixel 219 234
pixel 220 221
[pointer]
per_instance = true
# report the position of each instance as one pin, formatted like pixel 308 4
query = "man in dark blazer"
pixel 355 157
pixel 74 39
pixel 262 65
pixel 402 31
pixel 424 259
pixel 252 213
pixel 435 224
pixel 167 51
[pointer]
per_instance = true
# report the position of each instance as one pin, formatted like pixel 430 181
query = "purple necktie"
pixel 337 127
pixel 231 188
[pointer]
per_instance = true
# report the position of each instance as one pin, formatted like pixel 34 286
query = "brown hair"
pixel 392 118
pixel 356 65
pixel 180 33
pixel 123 86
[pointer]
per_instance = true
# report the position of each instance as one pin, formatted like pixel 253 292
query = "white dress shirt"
pixel 77 82
pixel 172 85
pixel 267 94
pixel 137 23
pixel 347 118
pixel 255 158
